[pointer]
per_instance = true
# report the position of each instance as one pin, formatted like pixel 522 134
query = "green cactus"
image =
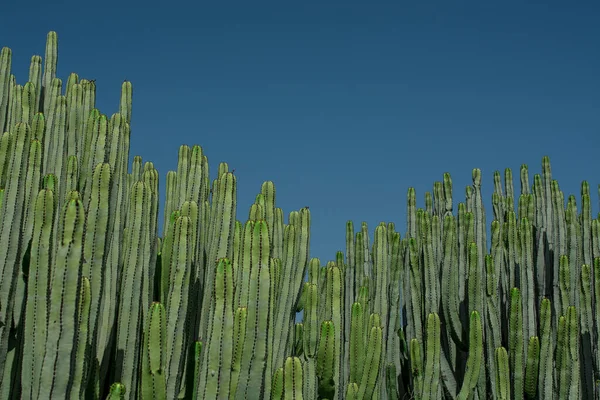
pixel 418 315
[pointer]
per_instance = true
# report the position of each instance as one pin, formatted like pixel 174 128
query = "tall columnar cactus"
pixel 94 304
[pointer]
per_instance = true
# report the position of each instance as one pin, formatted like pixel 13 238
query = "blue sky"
pixel 343 104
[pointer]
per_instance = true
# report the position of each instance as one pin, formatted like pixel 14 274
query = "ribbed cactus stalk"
pixel 63 316
pixel 431 378
pixel 90 295
pixel 153 377
pixel 215 371
pixel 258 300
pixel 475 359
pixel 326 364
pixel 36 313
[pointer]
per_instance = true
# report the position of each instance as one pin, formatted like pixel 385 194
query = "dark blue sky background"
pixel 343 104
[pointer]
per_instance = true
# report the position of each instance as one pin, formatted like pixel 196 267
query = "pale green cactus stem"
pixel 197 360
pixel 131 297
pixel 239 338
pixel 72 175
pixel 573 345
pixel 431 378
pixel 59 358
pixel 475 358
pixel 502 388
pixel 166 257
pixel 564 282
pixel 586 332
pixel 278 234
pixel 178 303
pixel 357 343
pixel 596 238
pixel 50 61
pixel 461 256
pixel 11 214
pixel 220 237
pixel 569 380
pixel 334 311
pixel 170 204
pixel 5 64
pixel 392 344
pixel 367 262
pixel 53 122
pixel 493 322
pixel 36 312
pixel 562 373
pixel 450 295
pixel 350 291
pixel 527 283
pixel 215 372
pixel 310 320
pixel 352 391
pixel 238 231
pixel 298 333
pixel 516 344
pixel 57 133
pixel 98 149
pixel 546 367
pixel 94 252
pixel 430 269
pixel 72 80
pixel 326 362
pixel 255 356
pixel 416 366
pixel 153 365
pixel 532 366
pixel 597 308
pixel 79 376
pixel 416 290
pixel 585 220
pixel 33 180
pixel 292 379
pixel 479 220
pixel 268 192
pixel 12 115
pixel 277 385
pixel 510 232
pixel 557 239
pixel 28 103
pixel 573 248
pixel 359 272
pixel 370 375
pixel 183 167
pixel 509 190
pixel 16 107
pixel 295 263
pixel 74 119
pixel 429 203
pixel 5 156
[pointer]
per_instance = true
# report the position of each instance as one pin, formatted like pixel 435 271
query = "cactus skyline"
pixel 94 303
pixel 249 80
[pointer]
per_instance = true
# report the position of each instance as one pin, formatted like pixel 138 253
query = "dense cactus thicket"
pixel 95 305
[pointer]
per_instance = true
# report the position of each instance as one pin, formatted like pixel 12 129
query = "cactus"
pixel 94 304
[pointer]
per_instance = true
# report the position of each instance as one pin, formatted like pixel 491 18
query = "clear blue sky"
pixel 345 104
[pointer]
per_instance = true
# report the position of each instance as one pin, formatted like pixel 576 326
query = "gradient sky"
pixel 343 104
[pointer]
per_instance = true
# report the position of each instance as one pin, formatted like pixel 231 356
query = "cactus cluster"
pixel 95 305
